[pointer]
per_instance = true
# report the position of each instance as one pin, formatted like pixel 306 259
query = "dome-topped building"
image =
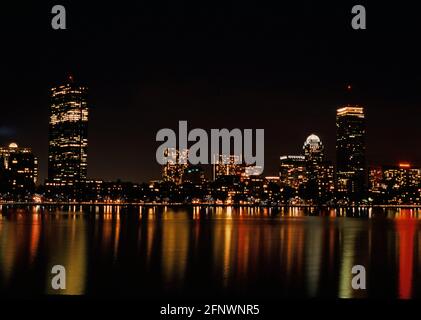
pixel 310 176
pixel 312 139
pixel 13 145
pixel 313 145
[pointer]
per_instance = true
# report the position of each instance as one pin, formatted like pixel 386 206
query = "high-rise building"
pixel 320 183
pixel 228 165
pixel 350 152
pixel 68 136
pixel 292 171
pixel 18 172
pixel 177 162
pixel 314 149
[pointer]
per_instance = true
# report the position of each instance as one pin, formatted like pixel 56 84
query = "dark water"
pixel 211 252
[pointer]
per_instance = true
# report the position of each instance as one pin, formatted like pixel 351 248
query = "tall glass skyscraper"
pixel 68 135
pixel 350 152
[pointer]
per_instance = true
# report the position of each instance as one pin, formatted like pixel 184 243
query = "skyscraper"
pixel 68 136
pixel 319 171
pixel 350 152
pixel 314 149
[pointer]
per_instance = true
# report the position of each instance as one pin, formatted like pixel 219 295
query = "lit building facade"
pixel 177 162
pixel 228 165
pixel 68 136
pixel 400 184
pixel 375 181
pixel 18 172
pixel 320 184
pixel 314 149
pixel 252 171
pixel 292 171
pixel 350 152
pixel 401 176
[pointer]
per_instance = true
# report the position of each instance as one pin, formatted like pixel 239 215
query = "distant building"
pixel 314 149
pixel 400 184
pixel 228 165
pixel 402 175
pixel 111 191
pixel 18 172
pixel 350 152
pixel 68 137
pixel 320 184
pixel 272 189
pixel 292 171
pixel 252 170
pixel 272 179
pixel 375 181
pixel 177 162
pixel 309 176
pixel 194 174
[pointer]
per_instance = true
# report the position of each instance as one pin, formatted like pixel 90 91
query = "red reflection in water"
pixel 405 227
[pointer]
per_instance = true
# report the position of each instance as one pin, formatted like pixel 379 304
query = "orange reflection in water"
pixel 406 226
pixel 34 237
pixel 19 242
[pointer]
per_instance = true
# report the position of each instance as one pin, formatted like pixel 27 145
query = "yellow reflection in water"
pixel 222 235
pixel 66 242
pixel 314 246
pixel 116 234
pixel 349 238
pixel 19 242
pixel 9 247
pixel 175 246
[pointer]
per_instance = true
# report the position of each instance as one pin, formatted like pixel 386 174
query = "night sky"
pixel 242 64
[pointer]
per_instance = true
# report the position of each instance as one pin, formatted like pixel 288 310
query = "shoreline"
pixel 151 204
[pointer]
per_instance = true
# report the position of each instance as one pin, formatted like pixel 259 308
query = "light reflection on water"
pixel 273 252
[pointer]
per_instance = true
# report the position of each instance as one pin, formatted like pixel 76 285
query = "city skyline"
pixel 308 178
pixel 279 67
pixel 201 158
pixel 270 168
pixel 69 81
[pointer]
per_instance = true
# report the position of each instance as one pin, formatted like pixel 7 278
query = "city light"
pixel 308 178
